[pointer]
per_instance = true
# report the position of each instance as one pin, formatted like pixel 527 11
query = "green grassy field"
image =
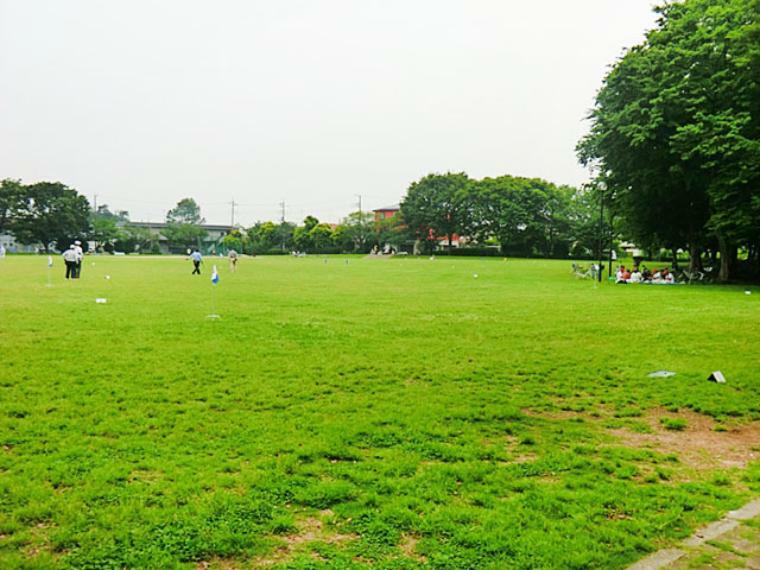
pixel 353 413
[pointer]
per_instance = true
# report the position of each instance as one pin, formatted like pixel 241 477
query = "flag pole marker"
pixel 214 283
pixel 49 271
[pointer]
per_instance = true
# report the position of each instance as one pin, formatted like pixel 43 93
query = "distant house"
pixel 8 241
pixel 214 235
pixel 390 211
pixel 385 213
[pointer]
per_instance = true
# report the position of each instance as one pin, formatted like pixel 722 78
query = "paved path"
pixel 731 542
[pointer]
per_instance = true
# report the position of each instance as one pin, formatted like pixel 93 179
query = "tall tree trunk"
pixel 695 258
pixel 449 236
pixel 674 255
pixel 727 258
pixel 550 253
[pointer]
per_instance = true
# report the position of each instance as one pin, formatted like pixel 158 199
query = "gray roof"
pixel 160 225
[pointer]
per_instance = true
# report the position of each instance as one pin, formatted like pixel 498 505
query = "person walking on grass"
pixel 197 260
pixel 233 255
pixel 70 259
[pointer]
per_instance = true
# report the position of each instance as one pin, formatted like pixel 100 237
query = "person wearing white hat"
pixel 70 258
pixel 80 255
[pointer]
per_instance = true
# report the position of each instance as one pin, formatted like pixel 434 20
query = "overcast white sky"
pixel 311 102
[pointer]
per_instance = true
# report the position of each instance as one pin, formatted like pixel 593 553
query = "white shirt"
pixel 80 253
pixel 70 255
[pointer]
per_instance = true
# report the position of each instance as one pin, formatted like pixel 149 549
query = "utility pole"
pixel 94 202
pixel 361 223
pixel 282 223
pixel 232 217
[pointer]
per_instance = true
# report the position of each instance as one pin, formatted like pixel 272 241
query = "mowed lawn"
pixel 349 412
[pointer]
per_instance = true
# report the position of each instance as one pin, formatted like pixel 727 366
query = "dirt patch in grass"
pixel 310 530
pixel 408 546
pixel 698 444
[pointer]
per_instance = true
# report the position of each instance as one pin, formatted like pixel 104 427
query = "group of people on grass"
pixel 644 275
pixel 195 256
pixel 72 257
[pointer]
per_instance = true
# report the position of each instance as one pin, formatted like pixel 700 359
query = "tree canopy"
pixel 183 224
pixel 435 206
pixel 48 213
pixel 675 133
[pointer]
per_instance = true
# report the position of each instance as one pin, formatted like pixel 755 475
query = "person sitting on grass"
pixel 635 276
pixel 620 275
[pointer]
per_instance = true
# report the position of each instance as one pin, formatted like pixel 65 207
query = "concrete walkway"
pixel 731 542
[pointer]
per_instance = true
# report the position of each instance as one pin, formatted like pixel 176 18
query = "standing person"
pixel 80 255
pixel 2 250
pixel 197 259
pixel 233 255
pixel 70 259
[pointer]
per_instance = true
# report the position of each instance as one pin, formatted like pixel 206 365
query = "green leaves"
pixel 435 206
pixel 676 128
pixel 47 213
pixel 184 223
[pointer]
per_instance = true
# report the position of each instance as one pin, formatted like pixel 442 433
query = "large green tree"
pixel 436 206
pixel 528 216
pixel 263 237
pixel 183 224
pixel 106 226
pixel 675 131
pixel 355 232
pixel 51 214
pixel 11 201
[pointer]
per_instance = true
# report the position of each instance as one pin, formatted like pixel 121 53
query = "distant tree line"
pixel 357 233
pixel 675 136
pixel 525 217
pixel 509 215
pixel 505 215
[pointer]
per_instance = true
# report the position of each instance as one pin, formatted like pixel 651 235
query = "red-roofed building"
pixel 390 211
pixel 385 213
